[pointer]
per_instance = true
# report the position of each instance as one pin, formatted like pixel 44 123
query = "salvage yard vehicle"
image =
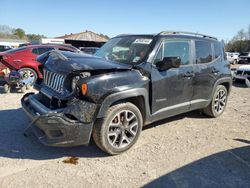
pixel 244 58
pixel 4 48
pixel 132 81
pixel 233 57
pixel 24 59
pixel 242 74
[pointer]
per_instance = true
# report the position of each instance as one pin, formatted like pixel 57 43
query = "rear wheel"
pixel 218 103
pixel 119 129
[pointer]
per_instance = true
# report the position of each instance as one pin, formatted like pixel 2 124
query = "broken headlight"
pixel 74 82
pixel 76 78
pixel 85 74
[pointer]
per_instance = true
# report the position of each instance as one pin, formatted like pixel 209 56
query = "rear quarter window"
pixel 218 51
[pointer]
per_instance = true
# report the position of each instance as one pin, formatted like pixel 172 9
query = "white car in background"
pixel 243 74
pixel 233 57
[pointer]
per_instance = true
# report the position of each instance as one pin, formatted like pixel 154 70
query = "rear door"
pixel 172 89
pixel 208 56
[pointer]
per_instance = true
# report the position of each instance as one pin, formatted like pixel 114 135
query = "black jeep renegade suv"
pixel 133 80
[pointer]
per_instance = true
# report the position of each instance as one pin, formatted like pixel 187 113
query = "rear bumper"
pixel 52 127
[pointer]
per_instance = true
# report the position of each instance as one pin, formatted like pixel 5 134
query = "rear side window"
pixel 40 51
pixel 203 52
pixel 175 48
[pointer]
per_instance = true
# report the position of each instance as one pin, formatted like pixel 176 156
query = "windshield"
pixel 130 49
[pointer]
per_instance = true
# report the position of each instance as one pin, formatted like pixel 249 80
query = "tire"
pixel 115 134
pixel 30 73
pixel 218 103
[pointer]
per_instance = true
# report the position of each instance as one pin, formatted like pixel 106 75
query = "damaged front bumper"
pixel 69 126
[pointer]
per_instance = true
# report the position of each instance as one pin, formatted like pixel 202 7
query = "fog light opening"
pixel 71 117
pixel 55 133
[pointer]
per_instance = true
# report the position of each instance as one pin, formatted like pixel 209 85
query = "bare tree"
pixel 248 32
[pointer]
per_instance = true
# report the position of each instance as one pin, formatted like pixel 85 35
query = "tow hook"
pixel 25 132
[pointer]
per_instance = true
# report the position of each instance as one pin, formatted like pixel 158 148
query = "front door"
pixel 172 89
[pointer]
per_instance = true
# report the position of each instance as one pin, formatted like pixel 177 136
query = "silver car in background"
pixel 242 74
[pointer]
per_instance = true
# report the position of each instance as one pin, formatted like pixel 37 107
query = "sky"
pixel 52 18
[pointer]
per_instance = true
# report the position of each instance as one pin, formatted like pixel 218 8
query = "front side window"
pixel 43 50
pixel 203 51
pixel 128 49
pixel 40 51
pixel 35 51
pixel 175 48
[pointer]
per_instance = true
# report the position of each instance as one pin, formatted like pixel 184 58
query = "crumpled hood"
pixel 66 62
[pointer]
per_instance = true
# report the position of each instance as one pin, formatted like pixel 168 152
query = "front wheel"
pixel 218 103
pixel 28 76
pixel 119 129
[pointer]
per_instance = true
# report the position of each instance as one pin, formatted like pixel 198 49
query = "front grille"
pixel 54 80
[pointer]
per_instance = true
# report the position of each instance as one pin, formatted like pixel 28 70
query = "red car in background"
pixel 24 58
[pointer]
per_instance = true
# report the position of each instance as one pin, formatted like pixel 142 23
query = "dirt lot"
pixel 189 150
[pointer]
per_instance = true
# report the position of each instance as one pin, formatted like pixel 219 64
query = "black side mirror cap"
pixel 168 63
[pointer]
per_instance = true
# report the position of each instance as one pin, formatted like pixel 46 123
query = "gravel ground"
pixel 188 150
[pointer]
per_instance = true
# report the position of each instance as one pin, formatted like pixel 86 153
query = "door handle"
pixel 17 60
pixel 188 74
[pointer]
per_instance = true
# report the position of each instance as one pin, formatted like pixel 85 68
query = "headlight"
pixel 76 78
pixel 85 74
pixel 74 82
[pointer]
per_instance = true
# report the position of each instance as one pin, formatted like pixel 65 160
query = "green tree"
pixel 19 32
pixel 34 37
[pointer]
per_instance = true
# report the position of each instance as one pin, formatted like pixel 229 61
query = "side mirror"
pixel 168 63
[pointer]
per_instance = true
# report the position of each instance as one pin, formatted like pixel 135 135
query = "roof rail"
pixel 186 33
